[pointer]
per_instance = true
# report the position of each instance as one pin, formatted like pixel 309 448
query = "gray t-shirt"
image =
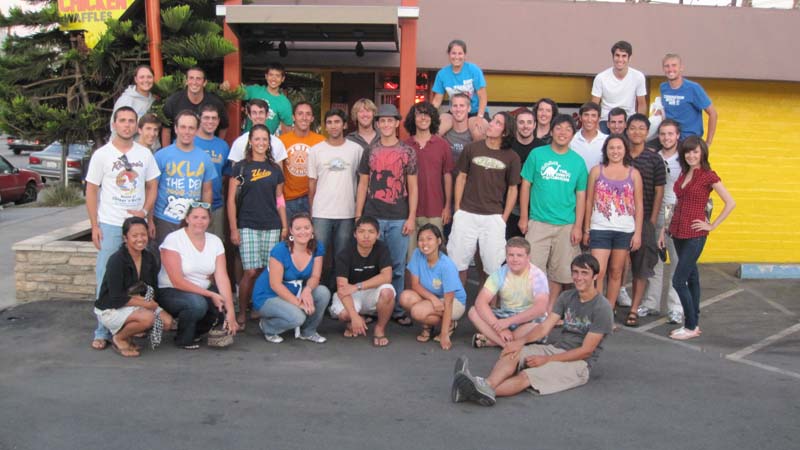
pixel 594 316
pixel 457 142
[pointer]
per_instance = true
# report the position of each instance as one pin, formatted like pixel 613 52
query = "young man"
pixel 332 182
pixel 295 170
pixel 588 142
pixel 684 101
pixel 434 168
pixel 257 111
pixel 620 85
pixel 187 174
pixel 363 112
pixel 485 194
pixel 218 150
pixel 669 134
pixel 280 108
pixel 522 145
pixel 126 177
pixel 459 135
pixel 651 169
pixel 553 196
pixel 551 368
pixel 363 279
pixel 387 190
pixel 148 132
pixel 192 98
pixel 522 294
pixel 617 121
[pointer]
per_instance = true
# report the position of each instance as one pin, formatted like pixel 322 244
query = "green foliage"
pixel 202 47
pixel 175 18
pixel 184 61
pixel 60 195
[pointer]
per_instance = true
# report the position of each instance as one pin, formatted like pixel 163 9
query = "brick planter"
pixel 56 266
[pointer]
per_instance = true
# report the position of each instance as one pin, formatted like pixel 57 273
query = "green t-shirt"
pixel 554 179
pixel 280 108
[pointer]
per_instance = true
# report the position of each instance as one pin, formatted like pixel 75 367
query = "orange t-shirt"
pixel 295 167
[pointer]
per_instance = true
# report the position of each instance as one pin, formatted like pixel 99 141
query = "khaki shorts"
pixel 114 318
pixel 458 310
pixel 551 250
pixel 412 240
pixel 365 302
pixel 555 376
pixel 217 227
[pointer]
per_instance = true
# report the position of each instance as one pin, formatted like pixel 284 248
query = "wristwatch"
pixel 359 285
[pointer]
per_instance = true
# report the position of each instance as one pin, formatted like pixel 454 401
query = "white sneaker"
pixel 644 311
pixel 675 317
pixel 274 338
pixel 683 334
pixel 623 299
pixel 315 338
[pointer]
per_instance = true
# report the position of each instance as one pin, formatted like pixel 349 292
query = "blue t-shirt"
pixel 218 150
pixel 293 278
pixel 685 105
pixel 181 182
pixel 468 81
pixel 441 278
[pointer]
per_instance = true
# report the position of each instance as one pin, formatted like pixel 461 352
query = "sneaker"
pixel 315 338
pixel 456 395
pixel 461 365
pixel 274 338
pixel 644 311
pixel 675 317
pixel 683 334
pixel 677 330
pixel 475 389
pixel 623 299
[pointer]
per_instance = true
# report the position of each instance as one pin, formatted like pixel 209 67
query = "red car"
pixel 18 185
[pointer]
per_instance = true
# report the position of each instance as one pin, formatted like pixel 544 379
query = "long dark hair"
pixel 312 243
pixel 509 130
pixel 410 123
pixel 691 143
pixel 626 160
pixel 436 232
pixel 553 106
pixel 129 223
pixel 248 150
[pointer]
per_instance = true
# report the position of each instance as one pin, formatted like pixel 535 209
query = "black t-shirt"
pixel 259 210
pixel 179 101
pixel 651 167
pixel 540 141
pixel 357 268
pixel 121 274
pixel 523 150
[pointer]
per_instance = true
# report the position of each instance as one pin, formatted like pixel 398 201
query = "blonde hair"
pixel 361 104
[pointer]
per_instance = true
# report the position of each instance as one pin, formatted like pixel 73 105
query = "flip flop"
pixel 129 352
pixel 403 321
pixel 380 341
pixel 450 332
pixel 425 335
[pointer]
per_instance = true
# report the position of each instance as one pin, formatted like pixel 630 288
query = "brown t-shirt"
pixel 489 174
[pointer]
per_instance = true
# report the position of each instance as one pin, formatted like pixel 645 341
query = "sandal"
pixel 453 325
pixel 348 333
pixel 380 341
pixel 632 320
pixel 403 321
pixel 425 335
pixel 128 352
pixel 479 341
pixel 100 344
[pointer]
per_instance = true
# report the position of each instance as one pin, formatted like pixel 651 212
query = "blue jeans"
pixel 196 314
pixel 392 235
pixel 278 315
pixel 296 206
pixel 686 279
pixel 334 234
pixel 111 242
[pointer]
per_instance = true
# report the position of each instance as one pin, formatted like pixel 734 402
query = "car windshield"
pixel 75 150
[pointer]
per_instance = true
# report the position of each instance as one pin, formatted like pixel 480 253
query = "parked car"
pixel 18 185
pixel 47 162
pixel 18 145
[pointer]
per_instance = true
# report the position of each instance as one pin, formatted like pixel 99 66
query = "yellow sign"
pixel 90 16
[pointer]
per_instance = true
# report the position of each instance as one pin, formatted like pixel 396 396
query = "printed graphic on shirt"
pixel 387 175
pixel 257 174
pixel 183 183
pixel 437 283
pixel 297 162
pixel 552 170
pixel 487 162
pixel 177 207
pixel 576 324
pixel 337 165
pixel 614 199
pixel 673 100
pixel 465 88
pixel 127 182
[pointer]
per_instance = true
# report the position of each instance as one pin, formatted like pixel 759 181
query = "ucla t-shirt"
pixel 218 150
pixel 294 278
pixel 554 178
pixel 468 81
pixel 685 105
pixel 182 177
pixel 439 279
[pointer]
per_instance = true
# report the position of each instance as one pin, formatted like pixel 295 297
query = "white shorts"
pixel 365 302
pixel 114 318
pixel 458 309
pixel 468 231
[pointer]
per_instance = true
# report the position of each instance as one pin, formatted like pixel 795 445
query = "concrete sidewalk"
pixel 735 387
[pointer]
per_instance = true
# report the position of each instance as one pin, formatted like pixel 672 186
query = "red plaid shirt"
pixel 691 203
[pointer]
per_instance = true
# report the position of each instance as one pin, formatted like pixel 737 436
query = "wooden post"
pixel 408 63
pixel 152 12
pixel 232 73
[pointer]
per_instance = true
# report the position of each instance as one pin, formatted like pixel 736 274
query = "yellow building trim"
pixel 503 88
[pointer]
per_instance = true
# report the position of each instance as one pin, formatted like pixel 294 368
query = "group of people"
pixel 373 228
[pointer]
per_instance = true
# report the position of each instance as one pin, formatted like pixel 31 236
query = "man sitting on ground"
pixel 547 369
pixel 523 295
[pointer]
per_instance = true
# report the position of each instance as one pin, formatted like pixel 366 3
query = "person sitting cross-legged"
pixel 547 369
pixel 522 291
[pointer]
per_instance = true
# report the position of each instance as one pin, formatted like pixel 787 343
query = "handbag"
pixel 238 196
pixel 157 330
pixel 218 336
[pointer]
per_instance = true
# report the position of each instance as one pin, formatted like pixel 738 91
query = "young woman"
pixel 544 111
pixel 258 218
pixel 288 294
pixel 192 259
pixel 127 315
pixel 138 95
pixel 436 296
pixel 466 78
pixel 614 215
pixel 689 227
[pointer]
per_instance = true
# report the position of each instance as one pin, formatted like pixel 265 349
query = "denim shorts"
pixel 610 240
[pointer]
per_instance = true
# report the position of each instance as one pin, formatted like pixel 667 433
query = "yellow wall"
pixel 528 89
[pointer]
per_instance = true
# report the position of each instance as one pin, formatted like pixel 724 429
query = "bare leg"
pixel 477 127
pixel 639 286
pixel 484 328
pixel 513 385
pixel 385 307
pixel 616 269
pixel 504 368
pixel 246 292
pixel 602 255
pixel 555 291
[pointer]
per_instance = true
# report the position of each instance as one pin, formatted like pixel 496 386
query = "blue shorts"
pixel 610 240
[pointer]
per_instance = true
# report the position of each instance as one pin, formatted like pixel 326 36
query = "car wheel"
pixel 16 151
pixel 30 193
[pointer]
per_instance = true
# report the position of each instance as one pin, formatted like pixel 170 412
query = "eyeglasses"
pixel 124 160
pixel 203 205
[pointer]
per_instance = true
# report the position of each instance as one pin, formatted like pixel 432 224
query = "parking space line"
pixel 767 367
pixel 755 293
pixel 703 304
pixel 764 342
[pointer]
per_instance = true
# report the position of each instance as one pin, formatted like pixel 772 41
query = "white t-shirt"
pixel 336 172
pixel 197 266
pixel 120 190
pixel 673 172
pixel 614 92
pixel 591 152
pixel 237 149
